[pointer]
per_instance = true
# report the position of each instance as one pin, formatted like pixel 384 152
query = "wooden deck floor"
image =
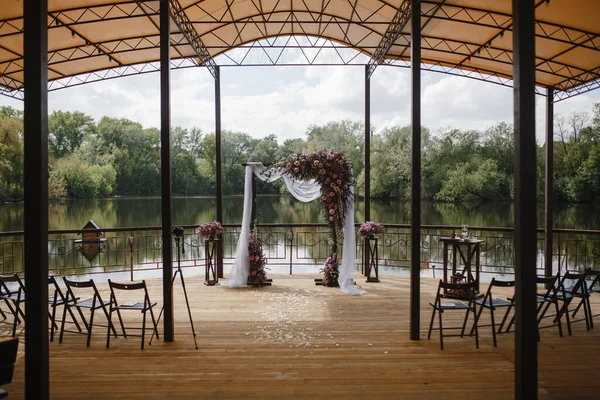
pixel 296 340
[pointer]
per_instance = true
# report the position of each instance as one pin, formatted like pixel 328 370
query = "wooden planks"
pixel 297 340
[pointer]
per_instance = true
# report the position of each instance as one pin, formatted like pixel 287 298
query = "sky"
pixel 286 100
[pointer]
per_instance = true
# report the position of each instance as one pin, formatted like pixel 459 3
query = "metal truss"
pixel 476 74
pixel 13 93
pixel 560 95
pixel 576 38
pixel 392 33
pixel 119 9
pixel 113 73
pixel 292 50
pixel 185 26
pixel 100 49
pixel 503 22
pixel 474 52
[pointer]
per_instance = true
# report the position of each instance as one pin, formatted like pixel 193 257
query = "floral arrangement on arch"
pixel 334 173
pixel 331 271
pixel 210 230
pixel 257 273
pixel 370 229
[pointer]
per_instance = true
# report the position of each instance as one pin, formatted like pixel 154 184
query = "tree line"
pixel 119 157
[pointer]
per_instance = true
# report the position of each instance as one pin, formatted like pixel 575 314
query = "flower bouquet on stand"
pixel 331 271
pixel 257 273
pixel 210 233
pixel 210 230
pixel 370 257
pixel 370 229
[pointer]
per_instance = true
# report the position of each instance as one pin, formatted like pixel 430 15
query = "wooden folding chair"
pixel 56 299
pixel 441 307
pixel 13 297
pixel 492 303
pixel 118 306
pixel 573 286
pixel 91 304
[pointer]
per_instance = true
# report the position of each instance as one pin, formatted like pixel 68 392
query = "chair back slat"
pixel 79 284
pixel 546 280
pixel 127 286
pixel 456 286
pixel 11 279
pixel 498 283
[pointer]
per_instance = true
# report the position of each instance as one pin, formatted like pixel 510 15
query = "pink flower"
pixel 296 169
pixel 339 181
pixel 331 218
pixel 251 258
pixel 331 211
pixel 316 162
pixel 297 163
pixel 253 272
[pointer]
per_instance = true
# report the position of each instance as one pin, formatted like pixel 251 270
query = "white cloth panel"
pixel 238 274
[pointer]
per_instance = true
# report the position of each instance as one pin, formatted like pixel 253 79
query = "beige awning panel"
pixel 86 36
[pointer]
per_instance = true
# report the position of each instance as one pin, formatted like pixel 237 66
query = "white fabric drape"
pixel 304 191
pixel 238 274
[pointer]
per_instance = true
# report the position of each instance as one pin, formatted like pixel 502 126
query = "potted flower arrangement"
pixel 210 230
pixel 369 229
pixel 331 271
pixel 257 272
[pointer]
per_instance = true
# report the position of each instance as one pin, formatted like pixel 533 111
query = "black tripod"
pixel 180 249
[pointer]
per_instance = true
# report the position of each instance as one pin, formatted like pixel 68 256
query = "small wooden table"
pixel 467 250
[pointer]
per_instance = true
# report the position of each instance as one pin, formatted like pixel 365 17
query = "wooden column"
pixel 219 170
pixel 549 188
pixel 165 169
pixel 415 198
pixel 367 144
pixel 526 359
pixel 37 385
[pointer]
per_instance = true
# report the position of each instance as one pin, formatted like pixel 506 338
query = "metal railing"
pixel 289 248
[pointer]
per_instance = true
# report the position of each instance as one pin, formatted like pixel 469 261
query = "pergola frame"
pixel 193 48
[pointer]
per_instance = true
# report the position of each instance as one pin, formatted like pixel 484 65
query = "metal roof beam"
pixel 85 15
pixel 187 29
pixel 391 34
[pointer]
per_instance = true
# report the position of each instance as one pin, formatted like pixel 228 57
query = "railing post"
pixel 291 240
pixel 558 257
pixel 131 241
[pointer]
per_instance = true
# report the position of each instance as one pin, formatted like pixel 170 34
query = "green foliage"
pixel 11 154
pixel 121 157
pixel 57 187
pixel 470 181
pixel 390 163
pixel 85 180
pixel 66 131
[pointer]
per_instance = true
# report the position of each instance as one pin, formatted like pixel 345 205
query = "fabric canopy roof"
pixel 91 40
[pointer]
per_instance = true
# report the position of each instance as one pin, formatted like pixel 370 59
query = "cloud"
pixel 285 101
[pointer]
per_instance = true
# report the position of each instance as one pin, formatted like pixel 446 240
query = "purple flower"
pixel 370 228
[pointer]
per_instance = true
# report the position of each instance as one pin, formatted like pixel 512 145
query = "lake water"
pixel 145 211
